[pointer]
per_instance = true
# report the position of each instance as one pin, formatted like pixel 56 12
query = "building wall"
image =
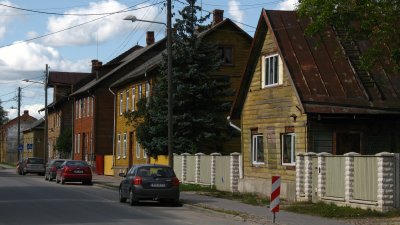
pixel 83 127
pixel 268 111
pixel 54 129
pixel 103 122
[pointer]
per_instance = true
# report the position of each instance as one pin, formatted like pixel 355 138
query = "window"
pixel 288 149
pixel 127 101
pixel 81 113
pixel 227 55
pixel 119 147
pixel 76 109
pixel 147 89
pixel 124 147
pixel 144 154
pixel 84 108
pixel 140 91
pixel 92 108
pixel 79 143
pixel 271 72
pixel 133 98
pixel 257 148
pixel 120 103
pixel 137 150
pixel 87 106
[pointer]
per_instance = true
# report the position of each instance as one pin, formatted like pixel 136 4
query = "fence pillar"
pixel 300 176
pixel 198 169
pixel 184 166
pixel 213 167
pixel 235 171
pixel 385 162
pixel 308 170
pixel 322 173
pixel 349 176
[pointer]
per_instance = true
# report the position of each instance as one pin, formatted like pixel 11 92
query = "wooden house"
pixel 309 94
pixel 234 44
pixel 33 140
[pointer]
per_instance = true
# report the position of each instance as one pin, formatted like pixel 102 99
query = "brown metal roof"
pixel 65 78
pixel 320 70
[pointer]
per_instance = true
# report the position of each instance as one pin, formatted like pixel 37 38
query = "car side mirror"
pixel 122 174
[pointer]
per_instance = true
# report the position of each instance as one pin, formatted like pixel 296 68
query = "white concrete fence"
pixel 222 172
pixel 364 181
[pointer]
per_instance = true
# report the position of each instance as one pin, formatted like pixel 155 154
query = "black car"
pixel 51 169
pixel 149 182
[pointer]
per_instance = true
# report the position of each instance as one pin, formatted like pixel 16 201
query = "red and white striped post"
pixel 275 195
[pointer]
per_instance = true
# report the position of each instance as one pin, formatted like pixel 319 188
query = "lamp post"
pixel 45 111
pixel 169 76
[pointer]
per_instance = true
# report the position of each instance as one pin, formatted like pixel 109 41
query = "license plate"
pixel 157 185
pixel 78 171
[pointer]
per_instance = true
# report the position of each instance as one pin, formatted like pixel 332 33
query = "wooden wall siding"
pixel 104 123
pixel 122 127
pixel 269 111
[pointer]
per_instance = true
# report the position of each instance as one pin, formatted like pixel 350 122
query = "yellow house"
pixel 33 140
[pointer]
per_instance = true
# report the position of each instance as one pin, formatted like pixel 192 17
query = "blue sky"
pixel 101 37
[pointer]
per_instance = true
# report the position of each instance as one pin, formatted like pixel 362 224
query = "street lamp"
pixel 45 110
pixel 169 76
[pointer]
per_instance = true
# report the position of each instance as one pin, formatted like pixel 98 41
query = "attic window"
pixel 271 71
pixel 226 55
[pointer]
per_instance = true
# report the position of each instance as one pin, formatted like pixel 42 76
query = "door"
pixel 347 142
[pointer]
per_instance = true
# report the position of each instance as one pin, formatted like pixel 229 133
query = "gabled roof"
pixel 23 118
pixel 225 22
pixel 320 71
pixel 122 57
pixel 65 78
pixel 129 58
pixel 37 125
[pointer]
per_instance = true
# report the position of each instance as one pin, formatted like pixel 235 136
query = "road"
pixel 32 200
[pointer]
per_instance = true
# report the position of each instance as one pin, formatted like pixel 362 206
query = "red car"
pixel 74 171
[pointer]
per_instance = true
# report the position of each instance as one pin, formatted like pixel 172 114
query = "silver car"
pixel 33 165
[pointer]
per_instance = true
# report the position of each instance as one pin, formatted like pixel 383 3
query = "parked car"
pixel 149 182
pixel 51 169
pixel 19 167
pixel 33 165
pixel 74 171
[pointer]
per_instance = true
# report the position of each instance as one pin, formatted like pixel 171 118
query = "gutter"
pixel 233 125
pixel 113 129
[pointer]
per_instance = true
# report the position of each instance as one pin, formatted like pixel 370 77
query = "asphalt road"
pixel 32 200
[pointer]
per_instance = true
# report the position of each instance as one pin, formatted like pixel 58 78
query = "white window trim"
pixel 292 149
pixel 121 96
pixel 147 91
pixel 79 143
pixel 253 136
pixel 139 91
pixel 280 71
pixel 127 101
pixel 124 146
pixel 119 146
pixel 137 150
pixel 133 98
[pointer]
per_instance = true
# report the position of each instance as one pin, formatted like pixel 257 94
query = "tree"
pixel 64 142
pixel 375 21
pixel 3 115
pixel 200 105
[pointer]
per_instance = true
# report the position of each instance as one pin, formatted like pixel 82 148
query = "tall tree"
pixel 3 115
pixel 377 21
pixel 64 143
pixel 199 105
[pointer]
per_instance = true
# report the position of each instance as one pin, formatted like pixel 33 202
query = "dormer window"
pixel 271 71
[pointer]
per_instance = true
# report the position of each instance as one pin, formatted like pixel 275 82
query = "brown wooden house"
pixel 309 94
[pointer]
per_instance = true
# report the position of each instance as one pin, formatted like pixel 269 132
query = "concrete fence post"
pixel 300 177
pixel 235 174
pixel 386 182
pixel 198 169
pixel 322 173
pixel 308 173
pixel 349 176
pixel 184 166
pixel 213 167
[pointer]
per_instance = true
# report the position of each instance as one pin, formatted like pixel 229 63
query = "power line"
pixel 78 25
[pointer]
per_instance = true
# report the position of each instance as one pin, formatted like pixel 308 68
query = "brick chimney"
pixel 149 38
pixel 26 112
pixel 218 16
pixel 96 64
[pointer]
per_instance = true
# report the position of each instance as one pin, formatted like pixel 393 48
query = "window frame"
pixel 118 146
pixel 278 70
pixel 223 52
pixel 137 150
pixel 121 96
pixel 133 98
pixel 254 150
pixel 124 146
pixel 127 100
pixel 292 148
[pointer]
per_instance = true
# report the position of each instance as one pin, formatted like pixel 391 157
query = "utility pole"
pixel 45 141
pixel 19 123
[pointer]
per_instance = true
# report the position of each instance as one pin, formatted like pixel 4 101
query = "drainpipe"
pixel 233 125
pixel 113 128
pixel 92 130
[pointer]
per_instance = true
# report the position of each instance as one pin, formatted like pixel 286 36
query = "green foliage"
pixel 3 116
pixel 376 21
pixel 199 105
pixel 64 141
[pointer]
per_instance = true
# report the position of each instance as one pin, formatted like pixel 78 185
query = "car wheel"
pixel 62 180
pixel 175 202
pixel 121 196
pixel 45 177
pixel 87 182
pixel 132 199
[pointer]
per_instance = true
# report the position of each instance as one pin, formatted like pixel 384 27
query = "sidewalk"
pixel 258 214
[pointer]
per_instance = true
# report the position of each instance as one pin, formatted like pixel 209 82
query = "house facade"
pixel 33 140
pixel 304 94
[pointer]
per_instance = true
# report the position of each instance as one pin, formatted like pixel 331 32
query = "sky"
pixel 68 34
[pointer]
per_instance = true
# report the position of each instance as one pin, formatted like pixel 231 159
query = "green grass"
pixel 247 198
pixel 333 211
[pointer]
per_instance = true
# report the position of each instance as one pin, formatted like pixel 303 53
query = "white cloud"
pixel 235 12
pixel 33 111
pixel 6 17
pixel 288 5
pixel 100 30
pixel 32 34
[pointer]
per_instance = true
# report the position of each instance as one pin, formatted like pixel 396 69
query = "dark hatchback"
pixel 51 169
pixel 149 182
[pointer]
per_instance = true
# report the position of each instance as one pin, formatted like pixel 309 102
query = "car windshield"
pixel 76 163
pixel 57 163
pixel 155 172
pixel 35 161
